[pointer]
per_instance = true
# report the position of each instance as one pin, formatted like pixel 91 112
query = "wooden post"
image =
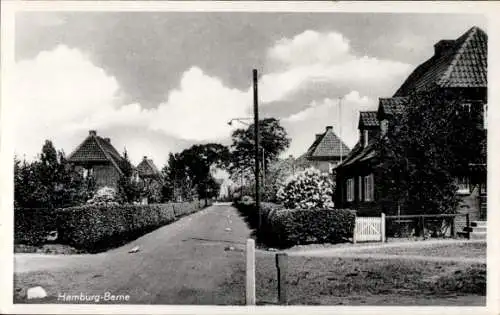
pixel 467 224
pixel 382 227
pixel 250 273
pixel 281 265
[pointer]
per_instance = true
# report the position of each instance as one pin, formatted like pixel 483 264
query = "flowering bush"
pixel 105 195
pixel 309 189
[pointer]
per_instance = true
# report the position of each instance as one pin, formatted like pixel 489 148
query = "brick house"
pixel 325 152
pixel 150 179
pixel 97 157
pixel 458 67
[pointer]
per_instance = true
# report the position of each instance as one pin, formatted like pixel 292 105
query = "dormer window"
pixel 365 138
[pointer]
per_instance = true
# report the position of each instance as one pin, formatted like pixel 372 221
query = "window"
pixel 463 184
pixel 87 172
pixel 365 138
pixel 350 189
pixel 360 188
pixel 466 107
pixel 482 189
pixel 368 181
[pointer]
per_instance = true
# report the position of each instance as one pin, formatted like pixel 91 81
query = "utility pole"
pixel 256 135
pixel 340 130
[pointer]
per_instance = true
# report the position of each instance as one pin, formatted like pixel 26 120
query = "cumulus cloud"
pixel 200 108
pixel 326 113
pixel 311 58
pixel 60 94
pixel 53 93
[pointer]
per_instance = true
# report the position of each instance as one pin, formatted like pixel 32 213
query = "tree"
pixel 273 141
pixel 427 147
pixel 128 188
pixel 189 172
pixel 49 182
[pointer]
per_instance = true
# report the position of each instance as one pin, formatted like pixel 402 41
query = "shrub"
pixel 184 208
pixel 98 227
pixel 105 195
pixel 309 189
pixel 286 227
pixel 31 226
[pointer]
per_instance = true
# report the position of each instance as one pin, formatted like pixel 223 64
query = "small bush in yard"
pixel 105 195
pixel 309 189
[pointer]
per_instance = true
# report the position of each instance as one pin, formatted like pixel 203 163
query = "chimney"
pixel 329 128
pixel 108 140
pixel 443 46
pixel 318 135
pixel 145 158
pixel 92 133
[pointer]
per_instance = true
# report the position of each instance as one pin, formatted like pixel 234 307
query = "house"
pixel 97 157
pixel 458 67
pixel 149 177
pixel 325 152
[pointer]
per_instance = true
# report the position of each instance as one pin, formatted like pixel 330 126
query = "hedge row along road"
pixel 186 262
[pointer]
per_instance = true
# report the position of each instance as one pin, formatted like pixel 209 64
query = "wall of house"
pixel 324 166
pixel 362 207
pixel 104 174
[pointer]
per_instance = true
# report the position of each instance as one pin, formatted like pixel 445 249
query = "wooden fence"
pixel 369 229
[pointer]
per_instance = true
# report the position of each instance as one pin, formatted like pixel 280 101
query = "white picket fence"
pixel 369 229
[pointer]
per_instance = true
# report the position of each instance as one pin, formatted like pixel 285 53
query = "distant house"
pixel 457 66
pixel 150 179
pixel 325 152
pixel 97 157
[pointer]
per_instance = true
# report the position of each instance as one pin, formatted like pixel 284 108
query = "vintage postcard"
pixel 207 157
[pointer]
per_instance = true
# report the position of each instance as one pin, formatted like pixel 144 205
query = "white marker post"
pixel 250 270
pixel 382 227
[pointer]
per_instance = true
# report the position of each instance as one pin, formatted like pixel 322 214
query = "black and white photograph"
pixel 248 158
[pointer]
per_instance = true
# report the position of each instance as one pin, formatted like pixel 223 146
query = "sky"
pixel 158 82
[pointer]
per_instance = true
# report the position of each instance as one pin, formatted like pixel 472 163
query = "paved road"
pixel 182 263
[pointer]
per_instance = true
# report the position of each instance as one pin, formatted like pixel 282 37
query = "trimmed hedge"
pixel 97 227
pixel 31 226
pixel 288 227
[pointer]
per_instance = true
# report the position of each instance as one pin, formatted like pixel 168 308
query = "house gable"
pixel 460 63
pixel 327 146
pixel 96 150
pixel 147 168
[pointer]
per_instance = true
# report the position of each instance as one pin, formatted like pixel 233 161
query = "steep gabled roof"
pixel 95 149
pixel 360 153
pixel 460 63
pixel 327 145
pixel 147 168
pixel 391 106
pixel 368 120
